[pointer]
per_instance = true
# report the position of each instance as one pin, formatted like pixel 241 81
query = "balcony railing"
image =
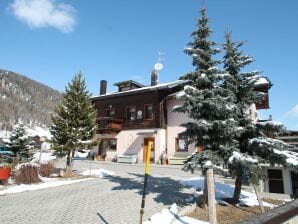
pixel 109 124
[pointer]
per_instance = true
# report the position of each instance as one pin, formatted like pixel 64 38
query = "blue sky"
pixel 50 40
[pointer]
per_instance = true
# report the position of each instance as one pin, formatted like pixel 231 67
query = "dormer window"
pixel 128 85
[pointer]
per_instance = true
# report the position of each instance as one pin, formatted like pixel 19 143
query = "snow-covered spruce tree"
pixel 74 120
pixel 209 106
pixel 255 147
pixel 20 143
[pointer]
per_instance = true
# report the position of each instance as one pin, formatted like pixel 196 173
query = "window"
pixel 109 145
pixel 131 113
pixel 148 112
pixel 276 184
pixel 181 145
pixel 111 113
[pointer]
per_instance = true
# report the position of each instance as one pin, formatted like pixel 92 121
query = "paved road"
pixel 110 200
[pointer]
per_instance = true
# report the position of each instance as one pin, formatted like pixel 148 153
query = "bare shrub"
pixel 46 169
pixel 27 173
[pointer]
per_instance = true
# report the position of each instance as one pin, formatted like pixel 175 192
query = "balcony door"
pixel 145 150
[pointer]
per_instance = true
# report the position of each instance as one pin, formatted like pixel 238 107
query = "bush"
pixel 46 169
pixel 27 173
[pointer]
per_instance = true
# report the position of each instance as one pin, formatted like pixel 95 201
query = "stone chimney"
pixel 154 78
pixel 103 87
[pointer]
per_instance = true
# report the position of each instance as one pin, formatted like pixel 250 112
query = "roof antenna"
pixel 157 68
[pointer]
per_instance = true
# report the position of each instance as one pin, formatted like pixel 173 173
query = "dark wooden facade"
pixel 112 108
pixel 120 102
pixel 264 88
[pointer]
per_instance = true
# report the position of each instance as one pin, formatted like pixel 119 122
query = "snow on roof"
pixel 159 86
pixel 292 157
pixel 262 81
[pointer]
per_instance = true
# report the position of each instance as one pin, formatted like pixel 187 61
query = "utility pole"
pixel 150 147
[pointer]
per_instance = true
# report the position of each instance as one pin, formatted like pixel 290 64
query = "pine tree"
pixel 74 121
pixel 20 143
pixel 209 106
pixel 255 147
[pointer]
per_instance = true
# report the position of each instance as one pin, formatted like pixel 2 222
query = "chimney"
pixel 154 78
pixel 103 87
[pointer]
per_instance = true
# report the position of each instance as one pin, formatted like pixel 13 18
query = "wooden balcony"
pixel 108 125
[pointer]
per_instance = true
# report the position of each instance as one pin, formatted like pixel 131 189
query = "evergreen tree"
pixel 20 143
pixel 255 148
pixel 74 121
pixel 209 106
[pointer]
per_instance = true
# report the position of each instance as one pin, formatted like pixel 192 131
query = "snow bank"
pixel 224 191
pixel 48 183
pixel 98 172
pixel 170 216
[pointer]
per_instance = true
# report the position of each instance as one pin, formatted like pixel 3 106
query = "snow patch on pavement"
pixel 47 183
pixel 170 216
pixel 98 172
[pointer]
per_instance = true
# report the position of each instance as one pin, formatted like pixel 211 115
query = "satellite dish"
pixel 158 66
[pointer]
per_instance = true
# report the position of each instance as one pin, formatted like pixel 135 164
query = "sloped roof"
pixel 143 89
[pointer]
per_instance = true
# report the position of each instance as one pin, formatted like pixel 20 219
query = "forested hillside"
pixel 24 100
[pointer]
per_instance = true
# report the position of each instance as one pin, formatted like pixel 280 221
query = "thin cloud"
pixel 44 13
pixel 293 112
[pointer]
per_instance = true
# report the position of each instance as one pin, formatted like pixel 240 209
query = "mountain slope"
pixel 25 100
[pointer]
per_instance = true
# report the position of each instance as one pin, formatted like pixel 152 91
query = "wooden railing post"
pixel 211 197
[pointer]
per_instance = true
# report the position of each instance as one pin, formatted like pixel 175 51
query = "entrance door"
pixel 294 177
pixel 276 184
pixel 152 154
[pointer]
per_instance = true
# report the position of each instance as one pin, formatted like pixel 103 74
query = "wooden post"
pixel 211 197
pixel 259 199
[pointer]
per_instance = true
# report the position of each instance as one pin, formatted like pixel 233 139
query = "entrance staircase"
pixel 178 158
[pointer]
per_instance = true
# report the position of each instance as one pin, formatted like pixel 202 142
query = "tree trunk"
pixel 205 193
pixel 238 186
pixel 69 162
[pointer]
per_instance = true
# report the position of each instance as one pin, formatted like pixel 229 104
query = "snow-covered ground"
pixel 47 183
pixel 31 131
pixel 55 182
pixel 224 191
